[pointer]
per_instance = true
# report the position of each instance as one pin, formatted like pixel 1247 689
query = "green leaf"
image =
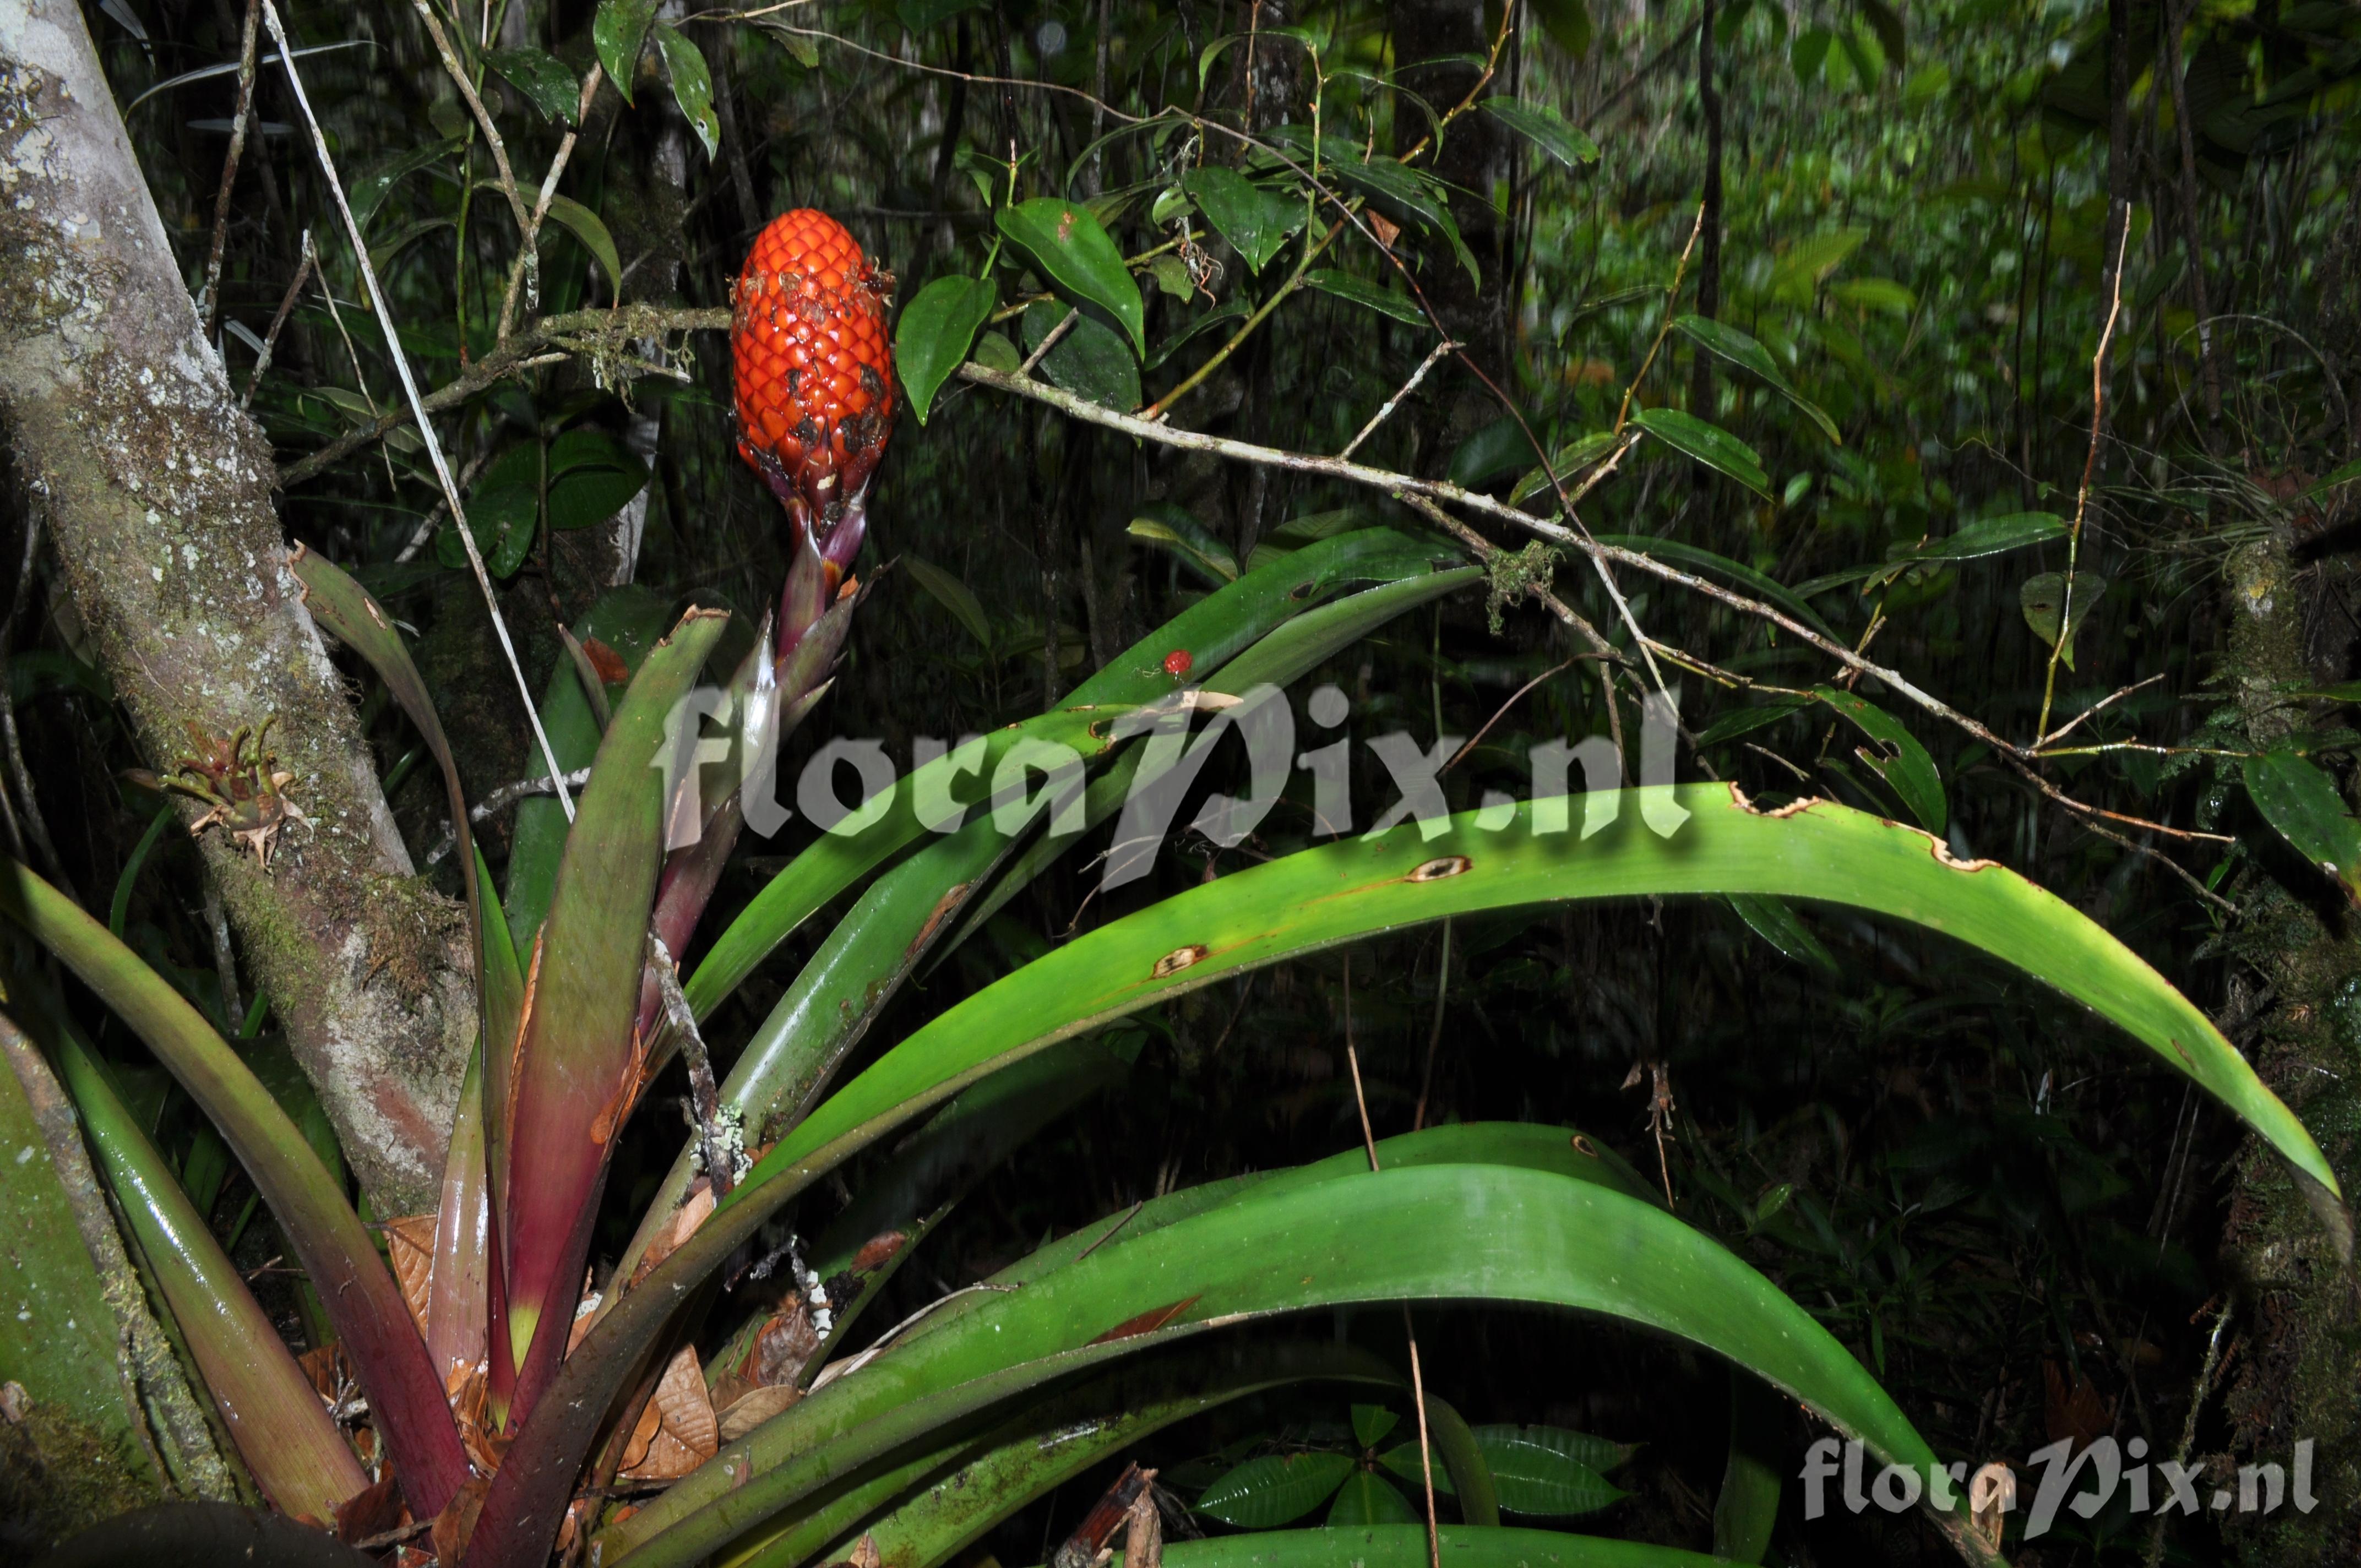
pixel 1567 23
pixel 628 621
pixel 1745 577
pixel 1234 309
pixel 1275 1489
pixel 1405 1546
pixel 283 1431
pixel 1486 454
pixel 574 1053
pixel 1420 1232
pixel 1709 444
pixel 542 77
pixel 1366 1498
pixel 1255 221
pixel 1568 463
pixel 1170 527
pixel 971 1485
pixel 1550 1472
pixel 1808 262
pixel 2344 475
pixel 1075 251
pixel 933 335
pixel 1545 129
pixel 1902 762
pixel 1171 276
pixel 1090 358
pixel 586 227
pixel 342 1262
pixel 692 84
pixel 592 477
pixel 619 31
pixel 1747 1510
pixel 370 192
pixel 1370 1424
pixel 2305 807
pixel 1362 292
pixel 952 595
pixel 1774 920
pixel 2044 600
pixel 1742 350
pixel 1882 294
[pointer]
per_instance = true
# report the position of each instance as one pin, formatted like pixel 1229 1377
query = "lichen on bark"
pixel 154 488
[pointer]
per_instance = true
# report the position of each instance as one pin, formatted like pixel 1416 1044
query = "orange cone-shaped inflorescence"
pixel 815 371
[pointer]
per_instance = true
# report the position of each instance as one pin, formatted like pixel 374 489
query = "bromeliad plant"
pixel 503 1402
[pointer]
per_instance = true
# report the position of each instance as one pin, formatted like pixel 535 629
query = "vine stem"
pixel 2083 496
pixel 400 358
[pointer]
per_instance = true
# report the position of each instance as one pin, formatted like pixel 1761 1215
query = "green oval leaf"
pixel 1090 358
pixel 591 230
pixel 1904 764
pixel 1545 129
pixel 1275 1489
pixel 2302 803
pixel 1709 444
pixel 692 85
pixel 1550 1472
pixel 952 595
pixel 1740 349
pixel 934 333
pixel 1255 221
pixel 1368 1498
pixel 541 77
pixel 1362 292
pixel 2044 603
pixel 1074 249
pixel 619 31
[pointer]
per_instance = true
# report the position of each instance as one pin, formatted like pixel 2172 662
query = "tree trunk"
pixel 155 489
pixel 2303 1361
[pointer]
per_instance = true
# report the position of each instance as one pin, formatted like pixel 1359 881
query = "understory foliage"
pixel 1952 411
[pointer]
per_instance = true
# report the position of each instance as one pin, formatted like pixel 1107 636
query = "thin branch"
pixel 303 269
pixel 499 800
pixel 209 295
pixel 619 326
pixel 467 93
pixel 528 257
pixel 2062 730
pixel 1385 411
pixel 2090 468
pixel 400 358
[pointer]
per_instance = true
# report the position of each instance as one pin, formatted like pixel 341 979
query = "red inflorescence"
pixel 815 366
pixel 1179 662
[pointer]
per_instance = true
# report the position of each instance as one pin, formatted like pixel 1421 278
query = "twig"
pixel 1050 341
pixel 209 295
pixel 528 257
pixel 400 358
pixel 1502 711
pixel 2090 468
pixel 1404 487
pixel 2198 1395
pixel 621 324
pixel 499 800
pixel 2062 730
pixel 1442 992
pixel 475 102
pixel 1386 411
pixel 286 304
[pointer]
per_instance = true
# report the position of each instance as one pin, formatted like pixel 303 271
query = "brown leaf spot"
pixel 1437 870
pixel 607 661
pixel 1176 960
pixel 1148 1322
pixel 878 1251
pixel 1583 1147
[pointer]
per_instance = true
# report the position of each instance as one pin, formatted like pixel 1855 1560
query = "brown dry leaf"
pixel 607 661
pixel 372 1510
pixel 865 1552
pixel 1992 1492
pixel 785 1343
pixel 325 1368
pixel 685 1433
pixel 878 1251
pixel 457 1522
pixel 410 1246
pixel 751 1410
pixel 585 1313
pixel 2074 1409
pixel 577 1517
pixel 679 1229
pixel 1386 232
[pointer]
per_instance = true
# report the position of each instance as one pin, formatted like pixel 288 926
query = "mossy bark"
pixel 2299 1376
pixel 103 1418
pixel 155 488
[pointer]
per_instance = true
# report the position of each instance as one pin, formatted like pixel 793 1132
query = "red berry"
pixel 1177 662
pixel 815 372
